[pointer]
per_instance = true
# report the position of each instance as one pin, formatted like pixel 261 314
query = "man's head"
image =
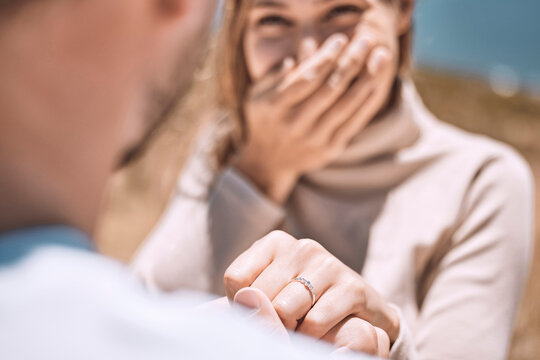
pixel 83 81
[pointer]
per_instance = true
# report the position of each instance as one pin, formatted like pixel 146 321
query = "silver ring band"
pixel 307 284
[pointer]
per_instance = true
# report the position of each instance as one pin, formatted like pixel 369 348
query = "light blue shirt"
pixel 59 299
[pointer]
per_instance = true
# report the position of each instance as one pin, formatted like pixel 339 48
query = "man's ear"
pixel 406 9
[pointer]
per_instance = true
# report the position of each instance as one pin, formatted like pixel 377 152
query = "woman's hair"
pixel 232 70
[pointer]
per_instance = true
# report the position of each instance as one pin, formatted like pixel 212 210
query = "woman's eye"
pixel 343 10
pixel 274 20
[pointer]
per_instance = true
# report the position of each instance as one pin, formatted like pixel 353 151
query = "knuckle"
pixel 235 277
pixel 325 62
pixel 316 324
pixel 309 246
pixel 360 335
pixel 331 264
pixel 278 237
pixel 358 291
pixel 354 62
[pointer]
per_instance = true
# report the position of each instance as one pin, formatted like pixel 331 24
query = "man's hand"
pixel 343 309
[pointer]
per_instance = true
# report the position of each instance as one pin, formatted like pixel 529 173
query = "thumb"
pixel 217 304
pixel 264 310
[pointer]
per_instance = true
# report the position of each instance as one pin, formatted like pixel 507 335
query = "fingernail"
pixel 357 49
pixel 378 59
pixel 248 299
pixel 337 43
pixel 360 46
pixel 288 64
pixel 309 46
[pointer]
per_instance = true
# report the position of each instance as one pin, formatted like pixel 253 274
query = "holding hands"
pixel 299 119
pixel 336 305
pixel 302 116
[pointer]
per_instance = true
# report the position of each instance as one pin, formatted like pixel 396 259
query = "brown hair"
pixel 233 75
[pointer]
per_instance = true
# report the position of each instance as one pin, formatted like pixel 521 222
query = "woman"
pixel 325 137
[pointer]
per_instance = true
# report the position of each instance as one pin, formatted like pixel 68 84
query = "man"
pixel 83 82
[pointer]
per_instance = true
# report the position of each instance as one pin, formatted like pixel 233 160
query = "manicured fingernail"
pixel 379 58
pixel 248 299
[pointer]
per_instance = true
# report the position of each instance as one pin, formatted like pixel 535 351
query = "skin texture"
pixel 351 334
pixel 320 71
pixel 319 100
pixel 347 311
pixel 82 84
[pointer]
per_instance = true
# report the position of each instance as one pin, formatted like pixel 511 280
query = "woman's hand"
pixel 263 312
pixel 351 334
pixel 301 117
pixel 342 299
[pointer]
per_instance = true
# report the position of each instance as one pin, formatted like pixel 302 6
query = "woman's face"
pixel 277 29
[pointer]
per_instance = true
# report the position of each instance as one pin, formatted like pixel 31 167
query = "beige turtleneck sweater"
pixel 439 221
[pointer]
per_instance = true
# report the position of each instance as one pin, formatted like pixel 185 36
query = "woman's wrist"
pixel 276 185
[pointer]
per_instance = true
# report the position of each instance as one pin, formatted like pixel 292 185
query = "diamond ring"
pixel 307 284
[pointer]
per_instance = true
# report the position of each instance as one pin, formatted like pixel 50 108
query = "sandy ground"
pixel 137 199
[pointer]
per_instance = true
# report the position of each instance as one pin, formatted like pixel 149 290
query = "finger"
pixel 248 266
pixel 355 334
pixel 309 76
pixel 351 298
pixel 305 257
pixel 308 48
pixel 275 277
pixel 272 79
pixel 258 301
pixel 352 62
pixel 296 300
pixel 379 58
pixel 334 306
pixel 383 342
pixel 349 66
pixel 354 110
pixel 343 110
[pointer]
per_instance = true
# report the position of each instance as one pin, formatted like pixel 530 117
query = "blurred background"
pixel 477 65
